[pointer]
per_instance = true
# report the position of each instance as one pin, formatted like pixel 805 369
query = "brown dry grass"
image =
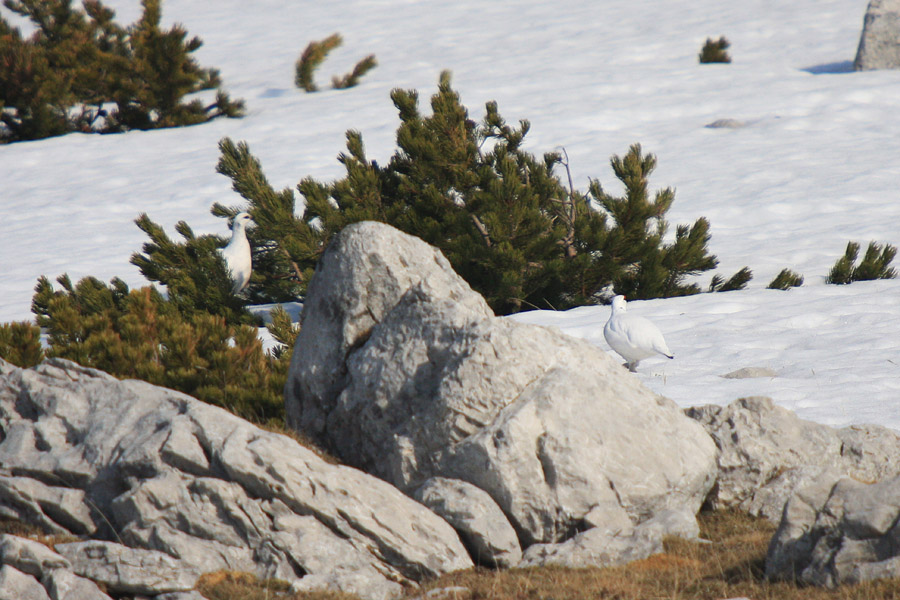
pixel 35 533
pixel 300 438
pixel 732 566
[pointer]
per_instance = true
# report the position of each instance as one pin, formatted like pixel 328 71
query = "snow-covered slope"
pixel 816 164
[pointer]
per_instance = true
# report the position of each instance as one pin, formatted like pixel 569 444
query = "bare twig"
pixel 569 212
pixel 482 230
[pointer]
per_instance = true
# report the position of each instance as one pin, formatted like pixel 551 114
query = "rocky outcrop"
pixel 83 452
pixel 879 44
pixel 402 370
pixel 127 570
pixel 766 452
pixel 483 527
pixel 838 530
pixel 32 571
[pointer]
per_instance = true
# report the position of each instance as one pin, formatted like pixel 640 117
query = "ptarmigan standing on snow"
pixel 237 252
pixel 635 338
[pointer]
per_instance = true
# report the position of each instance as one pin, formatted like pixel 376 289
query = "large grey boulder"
pixel 361 276
pixel 879 44
pixel 838 530
pixel 422 381
pixel 483 527
pixel 766 451
pixel 167 472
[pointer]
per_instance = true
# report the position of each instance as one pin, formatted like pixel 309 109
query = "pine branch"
pixel 312 58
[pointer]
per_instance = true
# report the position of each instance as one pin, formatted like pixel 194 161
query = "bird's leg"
pixel 632 366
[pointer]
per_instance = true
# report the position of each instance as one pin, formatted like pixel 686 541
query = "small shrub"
pixel 352 78
pixel 314 55
pixel 785 280
pixel 738 281
pixel 20 344
pixel 81 71
pixel 874 265
pixel 714 51
pixel 139 334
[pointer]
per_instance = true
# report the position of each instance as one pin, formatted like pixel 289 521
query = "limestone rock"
pixel 16 585
pixel 481 524
pixel 66 585
pixel 29 556
pixel 405 373
pixel 128 570
pixel 172 474
pixel 766 451
pixel 361 276
pixel 879 44
pixel 838 530
pixel 595 548
pixel 56 509
pixel 561 450
pixel 192 595
pixel 369 585
pixel 750 373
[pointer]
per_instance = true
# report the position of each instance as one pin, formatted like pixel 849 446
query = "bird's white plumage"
pixel 633 337
pixel 237 253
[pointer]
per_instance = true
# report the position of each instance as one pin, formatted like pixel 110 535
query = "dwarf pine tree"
pixel 637 261
pixel 874 265
pixel 738 281
pixel 502 216
pixel 20 344
pixel 715 51
pixel 139 334
pixel 785 280
pixel 81 71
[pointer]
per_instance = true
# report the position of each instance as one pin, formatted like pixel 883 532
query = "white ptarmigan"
pixel 237 253
pixel 633 337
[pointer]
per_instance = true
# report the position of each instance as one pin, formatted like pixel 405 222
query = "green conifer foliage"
pixel 138 334
pixel 194 273
pixel 286 248
pixel 312 57
pixel 738 281
pixel 715 51
pixel 352 78
pixel 503 217
pixel 639 264
pixel 874 265
pixel 20 344
pixel 785 280
pixel 284 331
pixel 81 71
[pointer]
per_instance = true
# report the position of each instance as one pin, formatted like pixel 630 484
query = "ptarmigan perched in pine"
pixel 635 338
pixel 237 253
